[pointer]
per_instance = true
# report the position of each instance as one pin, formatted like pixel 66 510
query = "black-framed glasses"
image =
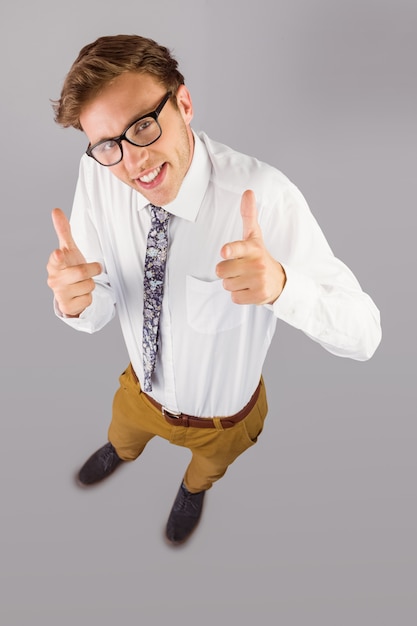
pixel 142 132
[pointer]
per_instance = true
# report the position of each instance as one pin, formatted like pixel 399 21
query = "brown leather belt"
pixel 181 419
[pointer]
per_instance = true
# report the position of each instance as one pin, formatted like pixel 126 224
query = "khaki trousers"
pixel 135 421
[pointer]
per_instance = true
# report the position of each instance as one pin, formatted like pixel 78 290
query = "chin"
pixel 159 198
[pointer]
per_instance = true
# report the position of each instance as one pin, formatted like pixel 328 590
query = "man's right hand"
pixel 69 275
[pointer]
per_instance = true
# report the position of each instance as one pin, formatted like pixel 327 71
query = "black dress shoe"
pixel 184 516
pixel 100 465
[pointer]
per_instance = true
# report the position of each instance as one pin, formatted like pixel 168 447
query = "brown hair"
pixel 103 60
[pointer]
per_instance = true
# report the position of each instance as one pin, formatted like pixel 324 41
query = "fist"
pixel 248 271
pixel 69 275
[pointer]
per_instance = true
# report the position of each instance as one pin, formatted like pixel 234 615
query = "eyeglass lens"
pixel 141 133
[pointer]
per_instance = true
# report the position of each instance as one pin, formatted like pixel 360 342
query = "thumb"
pixel 63 230
pixel 249 215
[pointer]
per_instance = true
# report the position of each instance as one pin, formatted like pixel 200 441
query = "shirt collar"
pixel 190 196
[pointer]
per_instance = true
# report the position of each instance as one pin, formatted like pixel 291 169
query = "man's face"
pixel 156 171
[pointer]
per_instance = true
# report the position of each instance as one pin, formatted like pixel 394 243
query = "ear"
pixel 185 104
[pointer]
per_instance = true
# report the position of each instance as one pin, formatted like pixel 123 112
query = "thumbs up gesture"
pixel 248 271
pixel 69 275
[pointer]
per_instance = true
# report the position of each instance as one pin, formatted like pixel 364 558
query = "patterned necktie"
pixel 153 289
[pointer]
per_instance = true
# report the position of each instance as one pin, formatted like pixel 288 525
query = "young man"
pixel 200 249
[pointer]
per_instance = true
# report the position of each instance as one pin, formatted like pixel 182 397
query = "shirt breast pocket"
pixel 210 308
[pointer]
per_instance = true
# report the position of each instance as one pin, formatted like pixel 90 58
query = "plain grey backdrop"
pixel 317 523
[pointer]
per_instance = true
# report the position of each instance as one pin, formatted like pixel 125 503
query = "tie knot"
pixel 159 215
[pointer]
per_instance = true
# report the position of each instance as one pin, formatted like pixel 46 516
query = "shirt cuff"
pixel 94 317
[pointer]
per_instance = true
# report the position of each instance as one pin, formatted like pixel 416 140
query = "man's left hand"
pixel 249 272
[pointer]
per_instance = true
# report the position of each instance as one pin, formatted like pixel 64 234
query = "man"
pixel 200 249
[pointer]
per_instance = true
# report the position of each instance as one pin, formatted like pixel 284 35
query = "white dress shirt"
pixel 211 350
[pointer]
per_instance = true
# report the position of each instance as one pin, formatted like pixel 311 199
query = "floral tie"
pixel 153 289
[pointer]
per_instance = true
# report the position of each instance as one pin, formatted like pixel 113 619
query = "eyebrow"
pixel 133 120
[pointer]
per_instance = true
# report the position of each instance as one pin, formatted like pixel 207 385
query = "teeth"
pixel 148 178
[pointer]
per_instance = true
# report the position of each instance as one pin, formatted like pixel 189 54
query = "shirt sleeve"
pixel 321 296
pixel 84 232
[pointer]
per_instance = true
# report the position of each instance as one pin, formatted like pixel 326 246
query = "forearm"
pixel 338 314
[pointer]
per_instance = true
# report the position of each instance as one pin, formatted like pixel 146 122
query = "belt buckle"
pixel 172 414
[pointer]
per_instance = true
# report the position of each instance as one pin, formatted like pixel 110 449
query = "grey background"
pixel 314 525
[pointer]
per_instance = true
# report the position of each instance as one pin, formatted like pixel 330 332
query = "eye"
pixel 141 127
pixel 105 146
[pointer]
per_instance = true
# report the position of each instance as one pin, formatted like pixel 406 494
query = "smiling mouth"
pixel 148 178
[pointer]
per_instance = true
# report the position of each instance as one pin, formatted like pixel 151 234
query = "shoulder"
pixel 100 184
pixel 92 173
pixel 234 171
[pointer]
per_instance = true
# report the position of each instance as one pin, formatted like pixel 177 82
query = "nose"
pixel 134 158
